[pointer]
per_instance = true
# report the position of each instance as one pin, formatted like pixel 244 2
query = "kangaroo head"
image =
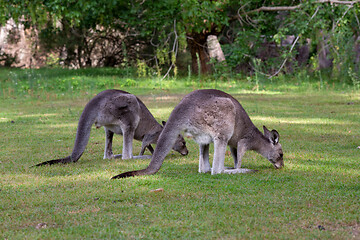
pixel 180 144
pixel 274 151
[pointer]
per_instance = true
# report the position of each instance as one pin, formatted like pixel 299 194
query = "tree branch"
pixel 272 9
pixel 292 8
pixel 338 2
pixel 174 50
pixel 293 45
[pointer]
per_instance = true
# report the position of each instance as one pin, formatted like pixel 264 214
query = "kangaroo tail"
pixel 166 141
pixel 86 120
pixel 131 174
pixel 55 161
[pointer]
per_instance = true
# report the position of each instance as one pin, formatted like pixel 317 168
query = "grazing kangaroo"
pixel 214 116
pixel 122 113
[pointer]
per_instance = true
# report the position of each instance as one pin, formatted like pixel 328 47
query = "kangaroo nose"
pixel 279 164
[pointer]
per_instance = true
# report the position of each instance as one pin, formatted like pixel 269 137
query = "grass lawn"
pixel 315 196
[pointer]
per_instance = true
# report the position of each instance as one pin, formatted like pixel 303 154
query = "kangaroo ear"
pixel 274 137
pixel 266 132
pixel 163 123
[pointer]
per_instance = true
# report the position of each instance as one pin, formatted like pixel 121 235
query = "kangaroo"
pixel 214 116
pixel 122 113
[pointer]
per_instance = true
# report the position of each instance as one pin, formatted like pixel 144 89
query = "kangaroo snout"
pixel 279 163
pixel 184 152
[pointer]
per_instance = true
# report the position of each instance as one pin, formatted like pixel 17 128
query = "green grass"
pixel 315 196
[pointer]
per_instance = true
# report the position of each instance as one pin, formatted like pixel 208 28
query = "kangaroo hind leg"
pixel 219 156
pixel 128 136
pixel 204 164
pixel 108 153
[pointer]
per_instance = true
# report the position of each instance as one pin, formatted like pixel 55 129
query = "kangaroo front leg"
pixel 145 144
pixel 141 155
pixel 219 156
pixel 108 153
pixel 151 149
pixel 238 153
pixel 241 149
pixel 143 148
pixel 204 164
pixel 234 155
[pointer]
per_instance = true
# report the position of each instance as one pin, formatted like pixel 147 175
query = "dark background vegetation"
pixel 169 38
pixel 293 65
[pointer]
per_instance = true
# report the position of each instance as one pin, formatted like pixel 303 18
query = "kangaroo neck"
pixel 165 142
pixel 257 142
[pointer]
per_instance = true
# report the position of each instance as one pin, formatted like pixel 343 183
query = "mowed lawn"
pixel 315 196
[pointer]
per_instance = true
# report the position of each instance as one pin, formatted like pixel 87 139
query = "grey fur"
pixel 122 113
pixel 214 116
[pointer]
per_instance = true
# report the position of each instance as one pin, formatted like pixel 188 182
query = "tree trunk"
pixel 198 51
pixel 323 51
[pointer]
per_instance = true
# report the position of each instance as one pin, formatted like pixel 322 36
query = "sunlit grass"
pixel 321 121
pixel 315 196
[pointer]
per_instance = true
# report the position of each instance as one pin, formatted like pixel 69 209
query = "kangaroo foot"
pixel 142 157
pixel 239 170
pixel 134 157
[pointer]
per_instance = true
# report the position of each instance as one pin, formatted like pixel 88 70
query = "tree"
pixel 151 20
pixel 248 30
pixel 327 24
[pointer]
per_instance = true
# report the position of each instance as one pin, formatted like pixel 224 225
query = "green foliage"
pixel 142 69
pixel 65 82
pixel 355 78
pixel 158 26
pixel 33 82
pixel 337 23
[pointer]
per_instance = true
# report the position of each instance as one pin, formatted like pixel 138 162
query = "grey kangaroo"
pixel 122 113
pixel 214 116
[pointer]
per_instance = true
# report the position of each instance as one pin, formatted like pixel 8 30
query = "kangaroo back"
pixel 213 116
pixel 122 113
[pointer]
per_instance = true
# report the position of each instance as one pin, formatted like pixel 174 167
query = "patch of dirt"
pixel 353 229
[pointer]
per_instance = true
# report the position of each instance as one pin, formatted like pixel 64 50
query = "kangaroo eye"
pixel 281 155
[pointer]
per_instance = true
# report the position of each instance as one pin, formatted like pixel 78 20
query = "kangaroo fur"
pixel 211 115
pixel 122 113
